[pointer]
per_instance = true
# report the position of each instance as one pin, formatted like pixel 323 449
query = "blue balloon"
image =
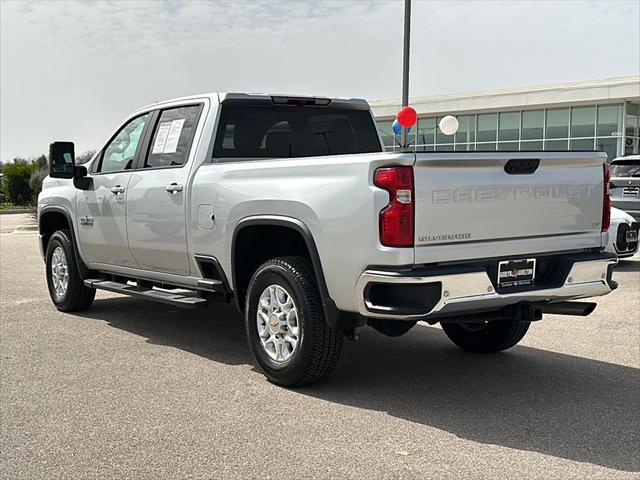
pixel 397 128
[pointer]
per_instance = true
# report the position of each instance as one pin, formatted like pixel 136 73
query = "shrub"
pixel 40 170
pixel 15 183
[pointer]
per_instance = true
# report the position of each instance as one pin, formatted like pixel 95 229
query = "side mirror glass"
pixel 62 160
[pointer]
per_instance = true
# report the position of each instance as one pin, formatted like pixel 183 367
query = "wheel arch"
pixel 276 222
pixel 334 317
pixel 51 219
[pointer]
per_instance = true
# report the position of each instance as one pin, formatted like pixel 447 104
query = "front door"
pixel 101 220
pixel 156 196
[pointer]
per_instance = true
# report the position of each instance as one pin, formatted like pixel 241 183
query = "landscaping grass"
pixel 11 206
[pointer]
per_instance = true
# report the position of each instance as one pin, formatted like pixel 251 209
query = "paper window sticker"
pixel 173 137
pixel 161 138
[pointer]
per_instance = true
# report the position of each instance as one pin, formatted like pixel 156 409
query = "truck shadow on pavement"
pixel 527 399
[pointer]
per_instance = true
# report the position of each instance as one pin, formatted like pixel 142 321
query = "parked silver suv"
pixel 625 184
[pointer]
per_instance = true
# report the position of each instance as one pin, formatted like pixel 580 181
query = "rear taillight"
pixel 396 219
pixel 606 199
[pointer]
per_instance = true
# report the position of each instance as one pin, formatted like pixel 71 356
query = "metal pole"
pixel 405 62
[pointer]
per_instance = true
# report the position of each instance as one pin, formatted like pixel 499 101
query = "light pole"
pixel 405 62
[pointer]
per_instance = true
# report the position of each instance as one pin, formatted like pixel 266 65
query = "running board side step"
pixel 182 300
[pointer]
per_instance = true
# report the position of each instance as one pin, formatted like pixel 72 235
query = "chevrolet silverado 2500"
pixel 289 207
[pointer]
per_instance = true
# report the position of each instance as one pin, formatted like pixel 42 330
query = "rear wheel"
pixel 66 287
pixel 285 324
pixel 486 337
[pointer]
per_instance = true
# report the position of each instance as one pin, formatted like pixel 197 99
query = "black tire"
pixel 488 337
pixel 77 297
pixel 319 346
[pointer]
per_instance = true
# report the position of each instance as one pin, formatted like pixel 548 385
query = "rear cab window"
pixel 172 137
pixel 625 167
pixel 260 130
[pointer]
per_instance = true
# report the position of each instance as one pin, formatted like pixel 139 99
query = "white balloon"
pixel 449 125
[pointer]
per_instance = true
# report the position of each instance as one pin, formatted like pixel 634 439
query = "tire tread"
pixel 79 297
pixel 327 342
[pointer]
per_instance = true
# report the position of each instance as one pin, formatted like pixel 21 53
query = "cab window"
pixel 121 152
pixel 172 137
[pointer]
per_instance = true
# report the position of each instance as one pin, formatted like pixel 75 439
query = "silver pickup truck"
pixel 290 208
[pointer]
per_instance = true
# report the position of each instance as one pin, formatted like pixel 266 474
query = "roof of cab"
pixel 221 97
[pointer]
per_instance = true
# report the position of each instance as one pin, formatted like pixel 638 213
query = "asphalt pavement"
pixel 131 389
pixel 10 221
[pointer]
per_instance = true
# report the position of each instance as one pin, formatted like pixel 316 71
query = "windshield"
pixel 284 131
pixel 625 168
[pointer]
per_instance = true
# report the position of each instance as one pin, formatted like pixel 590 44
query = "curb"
pixel 26 228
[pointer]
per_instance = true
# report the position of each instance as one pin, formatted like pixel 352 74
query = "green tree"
pixel 15 183
pixel 41 170
pixel 85 157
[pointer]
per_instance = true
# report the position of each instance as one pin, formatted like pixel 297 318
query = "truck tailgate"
pixel 467 197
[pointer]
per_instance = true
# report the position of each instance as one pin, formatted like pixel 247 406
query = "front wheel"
pixel 66 287
pixel 486 337
pixel 285 324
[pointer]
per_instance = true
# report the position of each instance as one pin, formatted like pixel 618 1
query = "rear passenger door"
pixel 156 196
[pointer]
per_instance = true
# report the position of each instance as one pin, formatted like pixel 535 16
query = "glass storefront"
pixel 613 129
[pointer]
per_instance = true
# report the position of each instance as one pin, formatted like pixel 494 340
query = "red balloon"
pixel 407 117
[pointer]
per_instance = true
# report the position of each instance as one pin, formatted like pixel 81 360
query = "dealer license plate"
pixel 515 273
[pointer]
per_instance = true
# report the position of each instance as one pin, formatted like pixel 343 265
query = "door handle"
pixel 117 190
pixel 174 188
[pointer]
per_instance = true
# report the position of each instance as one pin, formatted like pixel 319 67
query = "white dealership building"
pixel 591 115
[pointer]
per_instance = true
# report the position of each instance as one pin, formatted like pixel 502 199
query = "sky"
pixel 75 70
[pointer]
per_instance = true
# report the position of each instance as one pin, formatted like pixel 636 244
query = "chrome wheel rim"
pixel 59 272
pixel 277 321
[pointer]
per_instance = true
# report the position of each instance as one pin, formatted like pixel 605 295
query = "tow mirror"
pixel 62 164
pixel 62 160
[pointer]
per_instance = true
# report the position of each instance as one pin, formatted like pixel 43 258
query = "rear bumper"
pixel 439 292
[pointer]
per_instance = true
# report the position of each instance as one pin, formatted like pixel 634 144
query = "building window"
pixel 533 125
pixel 426 131
pixel 509 128
pixel 486 147
pixel 557 123
pixel 487 123
pixel 609 120
pixel 583 122
pixel 447 147
pixel 508 146
pixel 386 133
pixel 467 129
pixel 531 145
pixel 581 144
pixel 556 144
pixel 608 145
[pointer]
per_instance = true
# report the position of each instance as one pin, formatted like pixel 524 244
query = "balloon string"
pixel 410 142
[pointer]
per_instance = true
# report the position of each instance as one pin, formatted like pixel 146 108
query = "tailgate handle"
pixel 522 166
